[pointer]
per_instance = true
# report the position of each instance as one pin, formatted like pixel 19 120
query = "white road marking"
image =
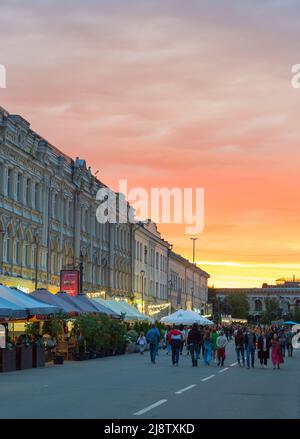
pixel 152 406
pixel 233 364
pixel 185 389
pixel 208 378
pixel 223 370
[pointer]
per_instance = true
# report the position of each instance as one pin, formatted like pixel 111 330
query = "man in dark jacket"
pixel 193 342
pixel 250 346
pixel 239 347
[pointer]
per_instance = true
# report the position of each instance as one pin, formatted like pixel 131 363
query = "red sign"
pixel 69 282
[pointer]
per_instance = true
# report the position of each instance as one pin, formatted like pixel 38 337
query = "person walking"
pixel 183 331
pixel 153 337
pixel 207 347
pixel 175 338
pixel 214 336
pixel 282 341
pixel 142 343
pixel 250 345
pixel 263 345
pixel 201 330
pixel 289 343
pixel 193 343
pixel 168 346
pixel 221 343
pixel 277 357
pixel 239 347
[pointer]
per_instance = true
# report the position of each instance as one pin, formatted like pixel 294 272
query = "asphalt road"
pixel 131 387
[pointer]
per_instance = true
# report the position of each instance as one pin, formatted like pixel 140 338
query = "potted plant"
pixel 131 339
pixel 8 357
pixel 86 328
pixel 38 350
pixel 23 353
pixel 54 329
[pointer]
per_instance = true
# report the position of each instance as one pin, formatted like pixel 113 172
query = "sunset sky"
pixel 174 93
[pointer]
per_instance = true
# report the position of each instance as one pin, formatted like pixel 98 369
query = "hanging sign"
pixel 69 282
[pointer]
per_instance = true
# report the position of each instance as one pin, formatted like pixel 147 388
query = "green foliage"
pixel 100 332
pixel 144 326
pixel 132 336
pixel 53 327
pixel 239 306
pixel 32 329
pixel 294 316
pixel 272 311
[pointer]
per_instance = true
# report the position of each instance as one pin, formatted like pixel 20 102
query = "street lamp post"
pixel 194 248
pixel 170 285
pixel 105 284
pixel 143 274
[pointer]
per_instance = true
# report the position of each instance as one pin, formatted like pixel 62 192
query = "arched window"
pixel 258 305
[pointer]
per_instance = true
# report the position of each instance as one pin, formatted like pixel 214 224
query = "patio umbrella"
pixel 69 299
pixel 104 310
pixel 11 310
pixel 31 305
pixel 54 299
pixel 80 302
pixel 290 323
pixel 184 317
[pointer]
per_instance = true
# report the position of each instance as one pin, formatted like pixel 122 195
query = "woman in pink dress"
pixel 277 357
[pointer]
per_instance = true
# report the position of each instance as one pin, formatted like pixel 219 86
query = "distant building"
pixel 285 292
pixel 151 267
pixel 187 284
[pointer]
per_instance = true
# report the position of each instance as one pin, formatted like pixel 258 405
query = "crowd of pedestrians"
pixel 251 343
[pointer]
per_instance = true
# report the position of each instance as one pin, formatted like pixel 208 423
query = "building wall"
pixel 151 258
pixel 187 284
pixel 288 298
pixel 48 215
pixel 48 206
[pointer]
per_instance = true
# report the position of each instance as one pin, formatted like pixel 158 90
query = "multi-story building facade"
pixel 48 217
pixel 187 284
pixel 150 267
pixel 48 223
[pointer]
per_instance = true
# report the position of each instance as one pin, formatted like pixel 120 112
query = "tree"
pixel 271 312
pixel 239 306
